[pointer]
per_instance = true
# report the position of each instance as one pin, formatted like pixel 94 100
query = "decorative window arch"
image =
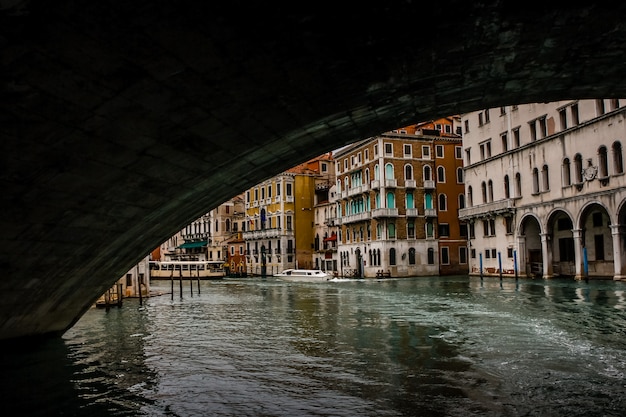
pixel 578 168
pixel 518 185
pixel 391 200
pixel 431 256
pixel 545 175
pixel 389 171
pixel 411 256
pixel 566 172
pixel 535 181
pixel 507 189
pixel 392 256
pixel 459 175
pixel 441 174
pixel 428 173
pixel 483 187
pixel 603 162
pixel 408 172
pixel 367 176
pixel 443 202
pixel 461 201
pixel 490 189
pixel 618 158
pixel 410 201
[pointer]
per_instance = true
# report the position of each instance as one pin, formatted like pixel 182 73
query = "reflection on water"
pixel 440 346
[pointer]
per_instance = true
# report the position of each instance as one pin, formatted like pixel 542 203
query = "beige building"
pixel 545 189
pixel 280 218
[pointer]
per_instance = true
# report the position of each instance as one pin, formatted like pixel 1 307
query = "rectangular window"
pixel 240 249
pixel 324 167
pixel 445 255
pixel 458 152
pixel 574 113
pixel 439 151
pixel 426 152
pixel 516 137
pixel 388 149
pixel 289 223
pixel 494 253
pixel 467 126
pixel 468 156
pixel 407 151
pixel 505 142
pixel 563 118
pixel 566 249
pixel 444 230
pixel 598 241
pixel 533 130
pixel 288 190
pixel 376 150
pixel 509 252
pixel 367 155
pixel 462 255
pixel 473 253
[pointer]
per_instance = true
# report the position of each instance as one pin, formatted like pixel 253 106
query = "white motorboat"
pixel 304 275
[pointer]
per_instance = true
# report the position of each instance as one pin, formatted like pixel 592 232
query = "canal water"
pixel 428 346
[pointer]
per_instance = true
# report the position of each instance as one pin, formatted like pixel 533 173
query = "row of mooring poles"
pixel 180 283
pixel 480 257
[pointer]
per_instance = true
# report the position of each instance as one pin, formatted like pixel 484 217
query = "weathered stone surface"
pixel 122 121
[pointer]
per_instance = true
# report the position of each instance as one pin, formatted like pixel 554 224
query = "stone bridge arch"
pixel 123 121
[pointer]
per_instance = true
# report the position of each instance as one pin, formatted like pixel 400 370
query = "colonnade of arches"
pixel 587 243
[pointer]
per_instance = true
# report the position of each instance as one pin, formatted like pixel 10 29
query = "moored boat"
pixel 187 270
pixel 305 275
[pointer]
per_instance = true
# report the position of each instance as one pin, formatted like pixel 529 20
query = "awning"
pixel 190 245
pixel 330 238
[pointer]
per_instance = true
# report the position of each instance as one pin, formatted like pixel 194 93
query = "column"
pixel 618 259
pixel 522 256
pixel 546 255
pixel 578 252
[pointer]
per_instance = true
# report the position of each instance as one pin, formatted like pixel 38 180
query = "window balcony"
pixel 393 183
pixel 409 184
pixel 412 212
pixel 375 184
pixel 384 212
pixel 358 217
pixel 492 208
pixel 429 184
pixel 430 212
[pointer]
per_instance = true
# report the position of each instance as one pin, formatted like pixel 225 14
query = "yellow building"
pixel 279 219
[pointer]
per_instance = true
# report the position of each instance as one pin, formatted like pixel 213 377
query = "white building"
pixel 545 187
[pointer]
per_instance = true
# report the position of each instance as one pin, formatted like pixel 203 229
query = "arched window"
pixel 441 174
pixel 408 172
pixel 518 185
pixel 578 168
pixel 618 161
pixel 428 201
pixel 339 185
pixel 603 168
pixel 546 178
pixel 391 200
pixel 567 175
pixel 392 256
pixel 459 175
pixel 410 203
pixel 490 188
pixel 443 206
pixel 346 183
pixel 389 172
pixel 461 201
pixel 376 172
pixel 483 187
pixel 470 196
pixel 535 181
pixel 377 200
pixel 411 256
pixel 391 230
pixel 428 174
pixel 367 176
pixel 228 225
pixel 431 256
pixel 429 229
pixel 507 193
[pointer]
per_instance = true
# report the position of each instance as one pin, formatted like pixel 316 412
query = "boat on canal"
pixel 187 270
pixel 303 275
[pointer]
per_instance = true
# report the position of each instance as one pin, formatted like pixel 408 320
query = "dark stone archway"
pixel 123 121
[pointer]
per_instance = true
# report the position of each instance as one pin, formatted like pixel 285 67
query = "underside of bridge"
pixel 122 121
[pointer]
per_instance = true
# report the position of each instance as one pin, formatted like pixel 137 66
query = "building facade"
pixel 280 218
pixel 389 189
pixel 545 189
